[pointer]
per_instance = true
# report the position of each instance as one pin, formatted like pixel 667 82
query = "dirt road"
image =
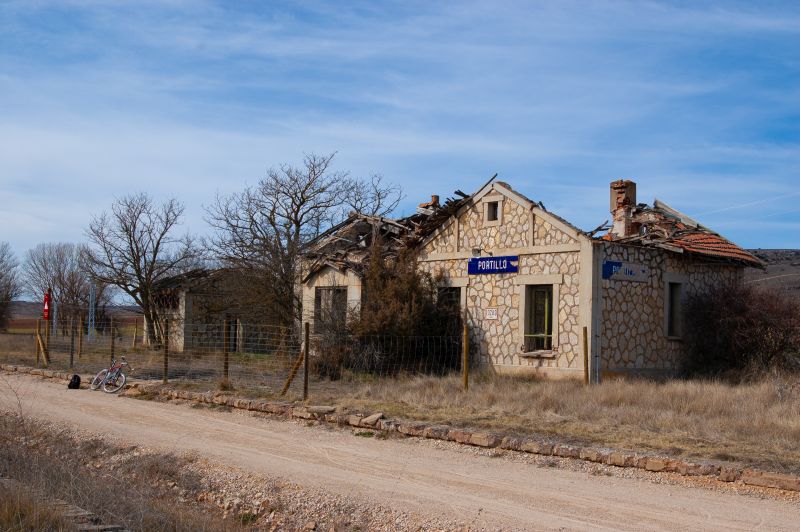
pixel 409 475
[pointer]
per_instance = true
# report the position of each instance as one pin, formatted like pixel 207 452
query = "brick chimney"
pixel 623 200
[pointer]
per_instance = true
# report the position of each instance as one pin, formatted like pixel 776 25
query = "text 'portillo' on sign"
pixel 487 265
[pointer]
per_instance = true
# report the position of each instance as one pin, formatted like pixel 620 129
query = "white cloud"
pixel 189 98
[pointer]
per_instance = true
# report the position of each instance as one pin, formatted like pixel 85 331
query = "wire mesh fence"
pixel 254 359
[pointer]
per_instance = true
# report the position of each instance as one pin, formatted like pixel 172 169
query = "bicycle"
pixel 112 379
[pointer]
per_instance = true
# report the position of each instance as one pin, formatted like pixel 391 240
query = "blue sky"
pixel 699 105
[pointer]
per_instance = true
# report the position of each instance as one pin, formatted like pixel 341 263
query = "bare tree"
pixel 372 196
pixel 134 247
pixel 263 230
pixel 57 267
pixel 10 286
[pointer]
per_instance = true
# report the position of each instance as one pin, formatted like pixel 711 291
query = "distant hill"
pixel 782 272
pixel 22 310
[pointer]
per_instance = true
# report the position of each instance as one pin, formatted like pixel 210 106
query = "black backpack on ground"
pixel 74 382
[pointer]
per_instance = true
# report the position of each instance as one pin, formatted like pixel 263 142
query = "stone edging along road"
pixel 649 462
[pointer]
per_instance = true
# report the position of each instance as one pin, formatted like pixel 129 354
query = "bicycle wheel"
pixel 114 384
pixel 98 379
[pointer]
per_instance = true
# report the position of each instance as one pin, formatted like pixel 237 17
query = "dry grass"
pixel 121 485
pixel 756 424
pixel 19 512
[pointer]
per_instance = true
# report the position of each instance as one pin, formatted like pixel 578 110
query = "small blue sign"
pixel 487 265
pixel 610 267
pixel 625 271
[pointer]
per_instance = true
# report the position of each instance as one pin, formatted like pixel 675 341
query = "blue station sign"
pixel 488 265
pixel 625 271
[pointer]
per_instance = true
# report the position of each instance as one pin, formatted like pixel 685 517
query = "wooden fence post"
pixel 80 337
pixel 305 361
pixel 226 344
pixel 166 351
pixel 465 355
pixel 71 342
pixel 585 356
pixel 38 339
pixel 112 340
pixel 46 350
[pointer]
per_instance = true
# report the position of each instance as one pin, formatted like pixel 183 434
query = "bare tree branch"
pixel 372 196
pixel 58 268
pixel 134 247
pixel 263 230
pixel 10 285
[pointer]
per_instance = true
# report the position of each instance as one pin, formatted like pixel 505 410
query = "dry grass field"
pixel 756 424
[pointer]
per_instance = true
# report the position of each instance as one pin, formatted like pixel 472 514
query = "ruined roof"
pixel 346 246
pixel 667 228
pixel 182 280
pixel 191 279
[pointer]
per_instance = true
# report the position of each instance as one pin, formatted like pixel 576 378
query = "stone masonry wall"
pixel 499 342
pixel 514 232
pixel 632 336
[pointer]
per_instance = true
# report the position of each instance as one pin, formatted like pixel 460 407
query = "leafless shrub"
pixel 741 332
pixel 10 286
pixel 400 327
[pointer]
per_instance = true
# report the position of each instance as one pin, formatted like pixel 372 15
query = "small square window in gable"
pixel 492 211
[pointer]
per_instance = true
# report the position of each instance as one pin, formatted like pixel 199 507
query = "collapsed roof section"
pixel 663 227
pixel 346 246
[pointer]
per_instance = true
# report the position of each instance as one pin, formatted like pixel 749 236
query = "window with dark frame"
pixel 674 308
pixel 448 303
pixel 492 211
pixel 448 298
pixel 538 335
pixel 330 308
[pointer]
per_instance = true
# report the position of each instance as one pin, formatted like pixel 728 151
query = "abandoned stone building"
pixel 206 307
pixel 531 284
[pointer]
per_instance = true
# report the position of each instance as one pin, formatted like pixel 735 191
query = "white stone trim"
pixel 671 277
pixel 532 228
pixel 534 250
pixel 585 298
pixel 457 232
pixel 522 281
pixel 595 361
pixel 552 278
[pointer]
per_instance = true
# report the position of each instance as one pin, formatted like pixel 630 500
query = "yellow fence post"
pixel 465 355
pixel 46 349
pixel 38 340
